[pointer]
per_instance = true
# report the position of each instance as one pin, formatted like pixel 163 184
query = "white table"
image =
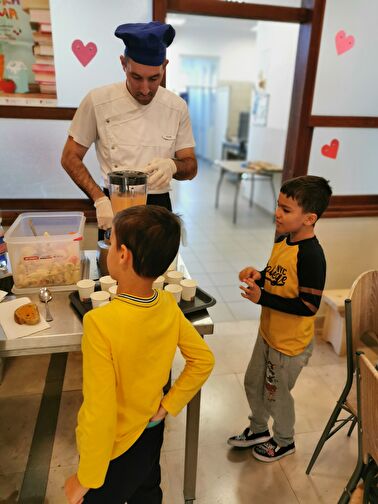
pixel 65 334
pixel 256 171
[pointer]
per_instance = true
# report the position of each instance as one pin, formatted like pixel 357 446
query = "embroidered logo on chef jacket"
pixel 169 137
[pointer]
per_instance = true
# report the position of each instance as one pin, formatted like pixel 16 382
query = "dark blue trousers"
pixel 133 477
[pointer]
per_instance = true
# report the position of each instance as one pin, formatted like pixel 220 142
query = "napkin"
pixel 13 330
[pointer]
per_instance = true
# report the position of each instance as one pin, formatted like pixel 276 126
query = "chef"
pixel 135 125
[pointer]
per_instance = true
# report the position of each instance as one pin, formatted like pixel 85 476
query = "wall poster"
pixel 27 70
pixel 52 52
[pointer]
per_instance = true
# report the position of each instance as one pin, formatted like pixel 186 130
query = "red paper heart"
pixel 331 149
pixel 343 43
pixel 83 53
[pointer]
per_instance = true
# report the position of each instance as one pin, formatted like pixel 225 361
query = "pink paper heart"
pixel 343 43
pixel 84 53
pixel 331 149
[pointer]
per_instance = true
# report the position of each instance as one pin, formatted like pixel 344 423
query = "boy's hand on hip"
pixel 252 291
pixel 249 272
pixel 74 490
pixel 159 415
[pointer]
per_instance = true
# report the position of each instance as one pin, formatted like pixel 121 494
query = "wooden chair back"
pixel 368 404
pixel 364 306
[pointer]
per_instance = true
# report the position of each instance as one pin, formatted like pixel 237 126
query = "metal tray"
pixel 202 301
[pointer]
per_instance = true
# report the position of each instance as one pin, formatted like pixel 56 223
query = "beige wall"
pixel 350 246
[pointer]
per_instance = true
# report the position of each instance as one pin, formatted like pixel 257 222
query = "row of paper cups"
pixel 180 287
pixel 87 291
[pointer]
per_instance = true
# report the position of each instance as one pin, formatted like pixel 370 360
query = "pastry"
pixel 27 314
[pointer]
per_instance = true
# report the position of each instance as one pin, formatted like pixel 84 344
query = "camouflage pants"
pixel 268 382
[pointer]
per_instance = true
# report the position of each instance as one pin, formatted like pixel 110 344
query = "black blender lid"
pixel 127 178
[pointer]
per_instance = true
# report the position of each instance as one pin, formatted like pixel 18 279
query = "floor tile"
pixel 330 473
pixel 203 280
pixel 10 485
pixel 312 395
pixel 226 278
pixel 24 375
pixel 223 408
pixel 236 360
pixel 244 309
pixel 17 419
pixel 230 293
pixel 227 476
pixel 324 354
pixel 217 267
pixel 64 450
pixel 220 313
pixel 73 378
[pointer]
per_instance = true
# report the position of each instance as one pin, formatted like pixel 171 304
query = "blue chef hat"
pixel 146 43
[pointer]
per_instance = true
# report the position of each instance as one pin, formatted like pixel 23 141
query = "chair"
pixel 367 462
pixel 361 330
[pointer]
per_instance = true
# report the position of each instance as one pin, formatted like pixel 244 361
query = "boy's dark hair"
pixel 310 192
pixel 152 233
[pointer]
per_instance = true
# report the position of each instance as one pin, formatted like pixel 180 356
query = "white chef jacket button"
pixel 113 147
pixel 115 166
pixel 108 120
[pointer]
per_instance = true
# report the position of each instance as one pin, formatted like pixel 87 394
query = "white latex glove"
pixel 104 212
pixel 160 172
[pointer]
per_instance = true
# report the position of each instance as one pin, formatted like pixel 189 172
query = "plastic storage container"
pixel 44 248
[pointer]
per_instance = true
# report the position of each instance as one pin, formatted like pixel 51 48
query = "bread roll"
pixel 27 314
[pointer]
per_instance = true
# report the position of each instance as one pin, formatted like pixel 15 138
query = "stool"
pixel 334 323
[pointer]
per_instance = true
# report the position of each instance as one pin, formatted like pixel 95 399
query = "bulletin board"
pixel 53 52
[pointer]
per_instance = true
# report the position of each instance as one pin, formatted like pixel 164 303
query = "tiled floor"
pixel 216 252
pixel 216 248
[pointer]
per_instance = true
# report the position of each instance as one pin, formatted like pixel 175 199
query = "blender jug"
pixel 127 189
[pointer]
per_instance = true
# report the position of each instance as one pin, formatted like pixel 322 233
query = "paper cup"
pixel 171 267
pixel 175 289
pixel 159 282
pixel 189 288
pixel 85 288
pixel 113 291
pixel 106 282
pixel 174 277
pixel 99 297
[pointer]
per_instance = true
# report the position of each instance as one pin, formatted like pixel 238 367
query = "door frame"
pixel 310 17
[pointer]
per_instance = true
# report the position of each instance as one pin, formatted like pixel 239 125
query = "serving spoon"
pixel 45 296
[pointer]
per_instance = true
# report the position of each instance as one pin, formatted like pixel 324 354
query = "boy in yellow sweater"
pixel 128 346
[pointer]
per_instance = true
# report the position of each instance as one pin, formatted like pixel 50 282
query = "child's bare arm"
pixel 74 490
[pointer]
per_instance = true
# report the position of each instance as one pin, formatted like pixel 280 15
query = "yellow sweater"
pixel 128 346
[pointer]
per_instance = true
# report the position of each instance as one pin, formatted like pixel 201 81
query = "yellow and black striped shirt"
pixel 292 285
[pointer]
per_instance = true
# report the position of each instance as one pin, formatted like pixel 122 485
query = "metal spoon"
pixel 45 296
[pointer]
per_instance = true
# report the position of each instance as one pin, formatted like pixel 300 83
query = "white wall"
pixel 276 52
pixel 346 85
pixel 31 149
pixel 30 161
pixel 233 44
pixel 90 21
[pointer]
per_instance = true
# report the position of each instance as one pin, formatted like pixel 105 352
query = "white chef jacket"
pixel 128 135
